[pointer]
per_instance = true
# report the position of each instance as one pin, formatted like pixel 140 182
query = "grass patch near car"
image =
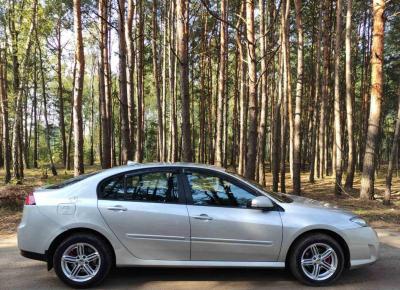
pixel 12 197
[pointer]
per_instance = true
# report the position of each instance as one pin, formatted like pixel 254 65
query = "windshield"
pixel 71 181
pixel 278 196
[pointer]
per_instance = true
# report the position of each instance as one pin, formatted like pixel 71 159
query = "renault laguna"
pixel 187 215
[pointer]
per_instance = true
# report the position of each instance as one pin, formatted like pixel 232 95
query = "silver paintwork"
pixel 156 234
pixel 261 202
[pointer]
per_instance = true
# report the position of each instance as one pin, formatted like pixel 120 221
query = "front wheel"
pixel 317 260
pixel 82 260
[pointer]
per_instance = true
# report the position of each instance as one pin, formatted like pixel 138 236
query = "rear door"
pixel 147 212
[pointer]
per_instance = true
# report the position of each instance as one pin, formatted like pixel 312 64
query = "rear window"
pixel 71 180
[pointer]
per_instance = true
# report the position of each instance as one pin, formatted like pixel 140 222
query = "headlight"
pixel 359 221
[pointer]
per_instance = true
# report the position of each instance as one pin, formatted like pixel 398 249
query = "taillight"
pixel 30 199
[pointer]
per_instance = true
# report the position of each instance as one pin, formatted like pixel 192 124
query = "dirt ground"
pixel 18 272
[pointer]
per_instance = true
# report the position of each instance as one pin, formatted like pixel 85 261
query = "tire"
pixel 82 252
pixel 310 254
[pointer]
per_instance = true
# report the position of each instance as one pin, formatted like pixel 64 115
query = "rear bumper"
pixel 34 256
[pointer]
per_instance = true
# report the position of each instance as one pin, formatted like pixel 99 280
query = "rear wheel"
pixel 317 260
pixel 82 260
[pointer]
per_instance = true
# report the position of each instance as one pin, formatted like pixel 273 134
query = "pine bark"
pixel 156 79
pixel 5 119
pixel 349 102
pixel 182 12
pixel 367 179
pixel 222 98
pixel 264 97
pixel 299 92
pixel 140 85
pixel 250 166
pixel 126 150
pixel 78 89
pixel 337 101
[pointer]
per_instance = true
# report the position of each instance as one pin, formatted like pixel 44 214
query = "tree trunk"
pixel 130 72
pixel 105 89
pixel 264 97
pixel 252 73
pixel 78 89
pixel 337 107
pixel 349 102
pixel 60 94
pixel 5 120
pixel 367 179
pixel 299 92
pixel 324 96
pixel 126 150
pixel 140 86
pixel 156 78
pixel 392 159
pixel 172 91
pixel 242 93
pixel 222 98
pixel 314 133
pixel 182 12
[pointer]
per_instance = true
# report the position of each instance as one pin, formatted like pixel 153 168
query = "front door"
pixel 223 227
pixel 145 212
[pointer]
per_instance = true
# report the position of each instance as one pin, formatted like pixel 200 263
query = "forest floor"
pixel 379 216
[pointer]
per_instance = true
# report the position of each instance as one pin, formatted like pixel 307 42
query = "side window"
pixel 113 189
pixel 214 191
pixel 146 187
pixel 153 187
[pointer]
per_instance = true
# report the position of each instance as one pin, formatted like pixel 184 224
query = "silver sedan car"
pixel 186 215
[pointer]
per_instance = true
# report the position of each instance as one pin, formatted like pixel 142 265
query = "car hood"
pixel 315 204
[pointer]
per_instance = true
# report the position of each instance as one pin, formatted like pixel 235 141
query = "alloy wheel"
pixel 319 261
pixel 80 262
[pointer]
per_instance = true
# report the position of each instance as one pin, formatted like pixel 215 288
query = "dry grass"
pixel 12 196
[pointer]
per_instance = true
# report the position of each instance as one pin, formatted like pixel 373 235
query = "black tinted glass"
pixel 216 191
pixel 147 187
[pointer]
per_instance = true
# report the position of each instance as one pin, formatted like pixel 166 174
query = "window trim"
pixel 232 179
pixel 181 191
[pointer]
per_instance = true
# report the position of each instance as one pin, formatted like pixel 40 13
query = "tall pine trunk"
pixel 78 89
pixel 5 120
pixel 351 160
pixel 371 146
pixel 126 150
pixel 182 12
pixel 222 98
pixel 299 92
pixel 337 108
pixel 252 73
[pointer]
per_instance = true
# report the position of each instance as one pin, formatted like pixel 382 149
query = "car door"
pixel 223 227
pixel 146 212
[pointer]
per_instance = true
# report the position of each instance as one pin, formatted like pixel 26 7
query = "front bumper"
pixel 363 246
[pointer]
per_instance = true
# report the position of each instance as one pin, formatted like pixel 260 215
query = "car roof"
pixel 137 166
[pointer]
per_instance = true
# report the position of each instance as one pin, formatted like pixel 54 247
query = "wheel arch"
pixel 332 234
pixel 79 230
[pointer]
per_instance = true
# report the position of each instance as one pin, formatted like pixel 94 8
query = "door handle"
pixel 117 208
pixel 203 217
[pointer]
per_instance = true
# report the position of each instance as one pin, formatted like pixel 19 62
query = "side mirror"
pixel 262 202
